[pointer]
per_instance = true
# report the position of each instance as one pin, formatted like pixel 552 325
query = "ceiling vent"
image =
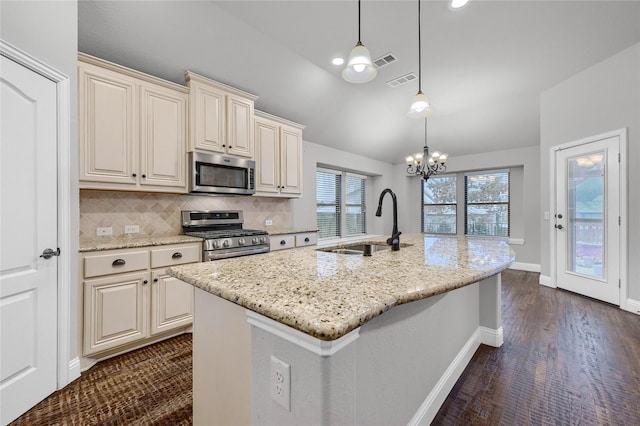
pixel 385 60
pixel 396 82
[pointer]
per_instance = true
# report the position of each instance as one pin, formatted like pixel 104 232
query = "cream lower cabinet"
pixel 278 155
pixel 132 129
pixel 129 298
pixel 287 241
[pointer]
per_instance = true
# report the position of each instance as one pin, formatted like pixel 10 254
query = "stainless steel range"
pixel 223 234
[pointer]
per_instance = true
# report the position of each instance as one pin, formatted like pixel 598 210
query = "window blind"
pixel 439 205
pixel 355 204
pixel 328 203
pixel 487 205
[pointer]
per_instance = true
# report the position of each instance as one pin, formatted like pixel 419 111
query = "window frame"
pixel 496 203
pixel 341 204
pixel 423 204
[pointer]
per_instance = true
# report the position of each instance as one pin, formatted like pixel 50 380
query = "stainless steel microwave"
pixel 219 174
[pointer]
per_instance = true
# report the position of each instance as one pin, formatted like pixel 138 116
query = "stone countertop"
pixel 327 295
pixel 283 231
pixel 108 243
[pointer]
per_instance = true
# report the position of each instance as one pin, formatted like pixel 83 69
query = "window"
pixel 487 203
pixel 340 203
pixel 439 205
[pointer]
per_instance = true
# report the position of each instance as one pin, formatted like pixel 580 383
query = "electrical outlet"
pixel 131 229
pixel 268 222
pixel 104 231
pixel 280 383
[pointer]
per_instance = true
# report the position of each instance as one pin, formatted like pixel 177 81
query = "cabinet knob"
pixel 144 176
pixel 224 145
pixel 176 255
pixel 230 146
pixel 145 282
pixel 306 240
pixel 155 280
pixel 134 175
pixel 282 242
pixel 118 262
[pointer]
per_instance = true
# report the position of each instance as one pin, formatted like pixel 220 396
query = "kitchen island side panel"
pixel 381 378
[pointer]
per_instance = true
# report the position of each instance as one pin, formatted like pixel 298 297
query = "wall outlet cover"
pixel 104 231
pixel 131 229
pixel 268 222
pixel 280 383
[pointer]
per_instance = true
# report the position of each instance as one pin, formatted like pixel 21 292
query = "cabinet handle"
pixel 177 255
pixel 155 280
pixel 144 176
pixel 118 262
pixel 282 242
pixel 145 282
pixel 230 146
pixel 224 145
pixel 134 175
pixel 306 240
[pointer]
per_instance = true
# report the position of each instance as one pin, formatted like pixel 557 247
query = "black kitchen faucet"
pixel 394 241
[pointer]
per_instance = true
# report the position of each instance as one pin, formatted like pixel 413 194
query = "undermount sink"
pixel 355 249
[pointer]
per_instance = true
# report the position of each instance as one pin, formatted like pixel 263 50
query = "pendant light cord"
pixel 359 41
pixel 419 52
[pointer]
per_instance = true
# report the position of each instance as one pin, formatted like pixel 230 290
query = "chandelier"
pixel 424 164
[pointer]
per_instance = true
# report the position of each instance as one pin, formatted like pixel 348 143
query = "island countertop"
pixel 327 295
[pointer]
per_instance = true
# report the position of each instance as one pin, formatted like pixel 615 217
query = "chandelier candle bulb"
pixel 409 161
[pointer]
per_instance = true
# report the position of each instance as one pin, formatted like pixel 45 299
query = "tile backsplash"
pixel 159 214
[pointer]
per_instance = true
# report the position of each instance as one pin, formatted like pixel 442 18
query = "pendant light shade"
pixel 420 107
pixel 359 69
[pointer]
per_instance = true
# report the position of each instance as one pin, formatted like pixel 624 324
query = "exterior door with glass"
pixel 587 219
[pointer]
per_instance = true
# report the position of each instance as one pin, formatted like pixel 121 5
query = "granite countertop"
pixel 326 295
pixel 283 231
pixel 108 243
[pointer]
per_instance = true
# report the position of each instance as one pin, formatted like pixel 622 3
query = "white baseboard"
pixel 491 337
pixel 633 306
pixel 74 369
pixel 429 408
pixel 545 280
pixel 529 267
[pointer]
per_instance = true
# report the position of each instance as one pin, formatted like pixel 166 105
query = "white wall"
pixel 303 209
pixel 602 98
pixel 48 30
pixel 525 194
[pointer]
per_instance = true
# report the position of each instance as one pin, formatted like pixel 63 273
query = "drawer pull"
pixel 118 262
pixel 176 255
pixel 155 280
pixel 282 242
pixel 306 240
pixel 145 282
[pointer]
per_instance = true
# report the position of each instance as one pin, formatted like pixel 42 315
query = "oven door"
pixel 218 174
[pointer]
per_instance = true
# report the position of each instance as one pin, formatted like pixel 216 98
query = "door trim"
pixel 68 369
pixel 622 134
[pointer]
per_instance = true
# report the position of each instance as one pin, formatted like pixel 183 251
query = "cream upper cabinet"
pixel 132 129
pixel 220 117
pixel 278 155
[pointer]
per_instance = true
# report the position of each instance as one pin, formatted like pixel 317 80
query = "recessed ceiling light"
pixel 337 61
pixel 457 4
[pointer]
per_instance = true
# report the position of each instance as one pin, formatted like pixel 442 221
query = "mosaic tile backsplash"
pixel 159 214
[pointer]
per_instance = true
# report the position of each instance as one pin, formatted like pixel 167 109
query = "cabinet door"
pixel 107 128
pixel 207 112
pixel 267 156
pixel 290 160
pixel 162 137
pixel 115 311
pixel 171 302
pixel 239 126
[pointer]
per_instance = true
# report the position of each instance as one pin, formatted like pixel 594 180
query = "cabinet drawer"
pixel 281 242
pixel 175 255
pixel 306 239
pixel 115 263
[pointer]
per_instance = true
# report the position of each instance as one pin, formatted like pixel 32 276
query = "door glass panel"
pixel 585 214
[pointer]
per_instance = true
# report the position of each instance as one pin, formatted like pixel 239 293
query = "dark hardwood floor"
pixel 566 360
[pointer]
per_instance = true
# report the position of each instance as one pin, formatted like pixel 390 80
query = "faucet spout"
pixel 394 240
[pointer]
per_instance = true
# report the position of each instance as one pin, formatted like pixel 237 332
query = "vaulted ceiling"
pixel 483 66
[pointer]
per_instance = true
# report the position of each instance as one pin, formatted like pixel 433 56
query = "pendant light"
pixel 359 69
pixel 420 107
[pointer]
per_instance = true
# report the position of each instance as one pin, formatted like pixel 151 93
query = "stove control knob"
pixel 216 244
pixel 241 241
pixel 226 243
pixel 255 240
pixel 263 240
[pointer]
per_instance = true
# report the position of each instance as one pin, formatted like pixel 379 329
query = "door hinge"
pixel 619 158
pixel 619 221
pixel 619 282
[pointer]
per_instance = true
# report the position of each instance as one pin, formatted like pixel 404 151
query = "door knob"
pixel 48 253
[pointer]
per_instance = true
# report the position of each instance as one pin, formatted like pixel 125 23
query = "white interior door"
pixel 28 225
pixel 587 222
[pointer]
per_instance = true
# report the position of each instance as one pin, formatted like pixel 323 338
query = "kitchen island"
pixel 359 352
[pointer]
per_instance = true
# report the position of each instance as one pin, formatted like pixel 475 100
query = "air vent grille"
pixel 396 82
pixel 385 60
